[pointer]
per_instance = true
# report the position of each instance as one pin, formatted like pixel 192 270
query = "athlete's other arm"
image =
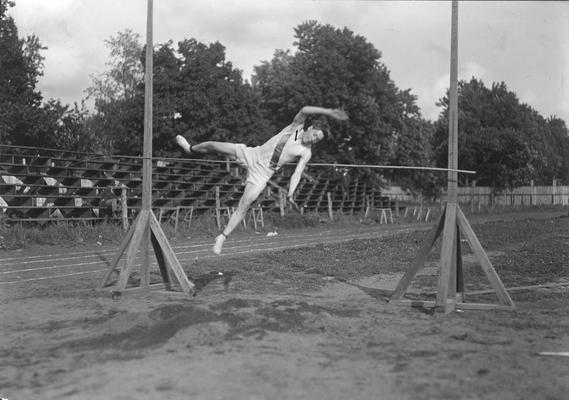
pixel 300 117
pixel 295 177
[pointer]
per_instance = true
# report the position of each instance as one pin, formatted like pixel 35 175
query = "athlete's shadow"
pixel 378 294
pixel 385 295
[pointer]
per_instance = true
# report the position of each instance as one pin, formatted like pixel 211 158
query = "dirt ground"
pixel 300 323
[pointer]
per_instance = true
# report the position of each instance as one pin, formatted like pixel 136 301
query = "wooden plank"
pixel 412 303
pixel 521 288
pixel 170 256
pixel 483 259
pixel 157 288
pixel 483 306
pixel 419 260
pixel 164 271
pixel 217 206
pixel 459 271
pixel 452 192
pixel 453 272
pixel 147 143
pixel 177 218
pixel 445 286
pixel 145 266
pixel 124 209
pixel 554 353
pixel 132 249
pixel 119 254
pixel 456 305
pixel 447 261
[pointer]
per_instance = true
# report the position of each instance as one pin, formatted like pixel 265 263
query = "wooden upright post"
pixel 146 230
pixel 124 209
pixel 452 223
pixel 330 214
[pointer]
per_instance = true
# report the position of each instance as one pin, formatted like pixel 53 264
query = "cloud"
pixel 472 69
pixel 525 44
pixel 66 75
pixel 433 95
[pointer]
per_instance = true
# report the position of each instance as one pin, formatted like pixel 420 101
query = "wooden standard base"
pixel 145 231
pixel 452 224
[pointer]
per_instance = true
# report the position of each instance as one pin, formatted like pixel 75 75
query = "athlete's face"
pixel 311 136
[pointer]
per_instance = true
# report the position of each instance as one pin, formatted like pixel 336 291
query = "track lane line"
pixel 297 241
pixel 288 242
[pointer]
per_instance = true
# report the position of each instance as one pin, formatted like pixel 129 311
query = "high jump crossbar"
pixel 463 171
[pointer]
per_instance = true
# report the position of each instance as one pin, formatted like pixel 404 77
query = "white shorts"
pixel 257 173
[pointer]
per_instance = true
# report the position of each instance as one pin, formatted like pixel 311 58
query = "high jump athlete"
pixel 293 143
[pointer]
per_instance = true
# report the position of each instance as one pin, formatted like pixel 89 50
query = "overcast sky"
pixel 524 44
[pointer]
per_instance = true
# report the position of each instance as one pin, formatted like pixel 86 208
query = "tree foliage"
pixel 199 94
pixel 125 74
pixel 339 69
pixel 118 94
pixel 505 141
pixel 24 119
pixel 20 67
pixel 196 93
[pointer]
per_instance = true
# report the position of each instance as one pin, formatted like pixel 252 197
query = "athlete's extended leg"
pixel 250 194
pixel 222 148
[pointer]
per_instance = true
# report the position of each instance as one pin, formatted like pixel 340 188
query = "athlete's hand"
pixel 340 115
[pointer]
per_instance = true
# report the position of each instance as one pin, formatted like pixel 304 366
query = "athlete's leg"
pixel 222 148
pixel 250 194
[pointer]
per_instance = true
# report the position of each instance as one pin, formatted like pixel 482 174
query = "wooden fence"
pixel 514 197
pixel 487 197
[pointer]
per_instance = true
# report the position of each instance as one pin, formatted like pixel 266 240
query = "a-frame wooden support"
pixel 452 224
pixel 450 288
pixel 146 231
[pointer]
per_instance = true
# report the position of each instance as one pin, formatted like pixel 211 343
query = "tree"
pixel 560 141
pixel 200 95
pixel 24 120
pixel 412 148
pixel 506 142
pixel 123 79
pixel 337 68
pixel 64 127
pixel 119 97
pixel 196 92
pixel 21 64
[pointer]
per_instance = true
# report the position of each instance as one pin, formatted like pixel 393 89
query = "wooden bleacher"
pixel 42 185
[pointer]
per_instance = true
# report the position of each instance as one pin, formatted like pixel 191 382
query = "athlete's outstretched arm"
pixel 339 115
pixel 295 177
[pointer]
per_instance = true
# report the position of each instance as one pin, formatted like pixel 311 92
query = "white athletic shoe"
pixel 183 143
pixel 219 240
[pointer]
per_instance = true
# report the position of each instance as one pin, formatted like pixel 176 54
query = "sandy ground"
pixel 300 323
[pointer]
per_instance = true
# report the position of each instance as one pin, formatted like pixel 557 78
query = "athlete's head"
pixel 314 134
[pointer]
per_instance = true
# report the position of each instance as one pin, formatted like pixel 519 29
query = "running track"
pixel 26 267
